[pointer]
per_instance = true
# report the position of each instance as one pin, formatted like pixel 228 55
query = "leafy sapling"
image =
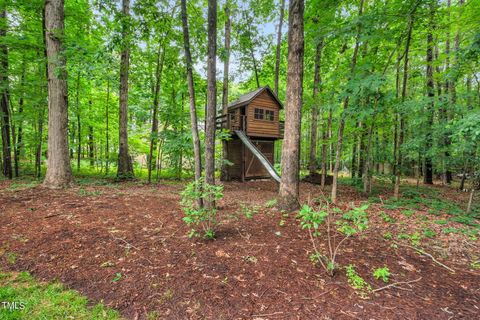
pixel 325 218
pixel 201 218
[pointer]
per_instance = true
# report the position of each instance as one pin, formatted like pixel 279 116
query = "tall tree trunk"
pixel 191 91
pixel 317 82
pixel 211 107
pixel 18 141
pixel 38 147
pixel 156 101
pixel 59 173
pixel 447 174
pixel 226 65
pixel 366 173
pixel 79 122
pixel 396 188
pixel 211 96
pixel 279 46
pixel 428 176
pixel 107 136
pixel 289 190
pixel 125 167
pixel 4 99
pixel 341 126
pixel 91 146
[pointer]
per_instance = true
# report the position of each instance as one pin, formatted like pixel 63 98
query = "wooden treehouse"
pixel 254 124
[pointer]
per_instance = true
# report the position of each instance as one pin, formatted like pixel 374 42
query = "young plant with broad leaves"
pixel 332 225
pixel 203 219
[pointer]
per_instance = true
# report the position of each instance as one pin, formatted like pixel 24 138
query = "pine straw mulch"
pixel 256 268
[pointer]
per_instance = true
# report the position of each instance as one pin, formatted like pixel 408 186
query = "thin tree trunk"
pixel 191 91
pixel 156 101
pixel 107 136
pixel 447 174
pixel 289 186
pixel 4 99
pixel 325 138
pixel 91 146
pixel 279 46
pixel 470 200
pixel 125 166
pixel 38 148
pixel 428 176
pixel 396 189
pixel 226 65
pixel 341 126
pixel 79 123
pixel 59 173
pixel 255 68
pixel 18 142
pixel 317 82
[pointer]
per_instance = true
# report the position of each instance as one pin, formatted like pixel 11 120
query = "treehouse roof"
pixel 248 97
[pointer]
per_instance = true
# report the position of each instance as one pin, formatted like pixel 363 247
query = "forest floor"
pixel 125 245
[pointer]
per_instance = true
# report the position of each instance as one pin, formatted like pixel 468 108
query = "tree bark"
pixel 341 126
pixel 317 82
pixel 289 190
pixel 107 135
pixel 211 96
pixel 79 122
pixel 191 91
pixel 4 100
pixel 428 175
pixel 325 138
pixel 396 188
pixel 91 145
pixel 226 65
pixel 156 101
pixel 447 174
pixel 279 46
pixel 59 173
pixel 125 167
pixel 19 139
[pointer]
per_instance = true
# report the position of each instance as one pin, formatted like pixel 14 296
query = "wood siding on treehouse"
pixel 263 128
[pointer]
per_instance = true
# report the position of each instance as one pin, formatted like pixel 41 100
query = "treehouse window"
pixel 258 113
pixel 269 115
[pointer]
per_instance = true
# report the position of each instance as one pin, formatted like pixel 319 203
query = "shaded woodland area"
pixel 130 109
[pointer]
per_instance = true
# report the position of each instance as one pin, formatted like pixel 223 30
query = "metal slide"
pixel 258 154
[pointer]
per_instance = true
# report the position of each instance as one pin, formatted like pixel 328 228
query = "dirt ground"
pixel 126 245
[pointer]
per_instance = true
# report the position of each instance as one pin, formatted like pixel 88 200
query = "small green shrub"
pixel 196 215
pixel 382 273
pixel 347 224
pixel 362 288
